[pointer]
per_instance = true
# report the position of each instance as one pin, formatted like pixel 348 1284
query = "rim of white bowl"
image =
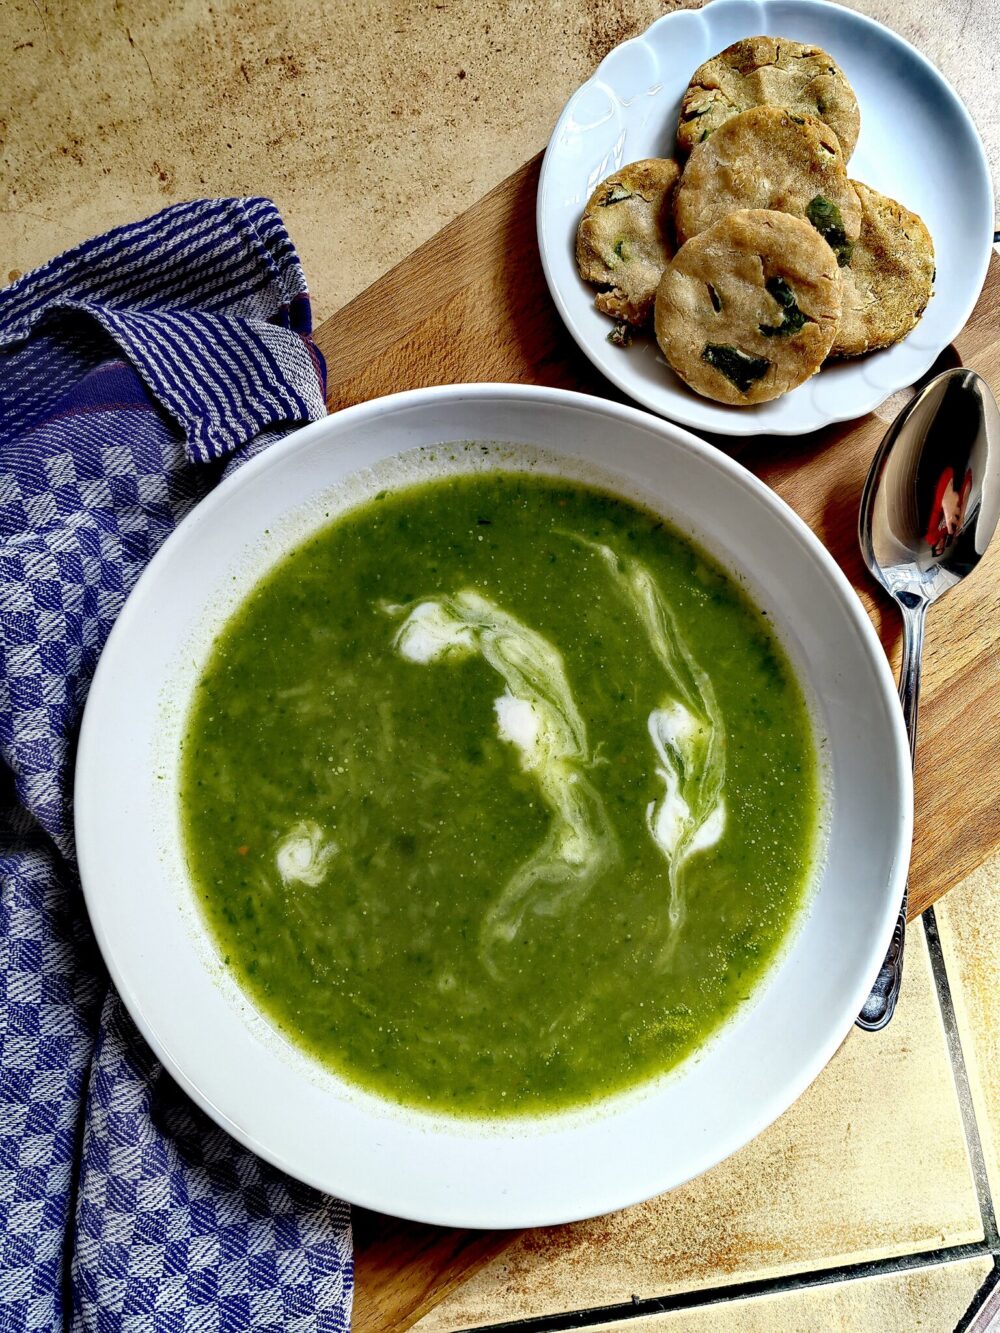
pixel 725 1144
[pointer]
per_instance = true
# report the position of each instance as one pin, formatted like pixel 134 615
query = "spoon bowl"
pixel 932 499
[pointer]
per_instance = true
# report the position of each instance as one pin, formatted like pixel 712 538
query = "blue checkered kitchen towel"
pixel 135 370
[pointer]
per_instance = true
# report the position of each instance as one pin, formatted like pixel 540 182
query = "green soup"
pixel 499 795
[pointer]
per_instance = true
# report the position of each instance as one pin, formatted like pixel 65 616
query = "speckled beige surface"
pixel 371 123
pixel 968 920
pixel 933 1299
pixel 870 1162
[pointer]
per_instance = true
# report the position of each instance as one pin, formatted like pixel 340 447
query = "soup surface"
pixel 499 795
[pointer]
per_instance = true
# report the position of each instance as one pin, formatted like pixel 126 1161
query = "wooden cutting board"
pixel 472 304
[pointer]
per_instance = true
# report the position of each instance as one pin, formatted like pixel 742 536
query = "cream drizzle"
pixel 303 855
pixel 537 714
pixel 686 729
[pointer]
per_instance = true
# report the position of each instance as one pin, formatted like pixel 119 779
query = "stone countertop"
pixel 372 124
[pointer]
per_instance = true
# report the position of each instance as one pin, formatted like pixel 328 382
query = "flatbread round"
pixel 748 309
pixel 769 158
pixel 625 238
pixel 890 277
pixel 768 71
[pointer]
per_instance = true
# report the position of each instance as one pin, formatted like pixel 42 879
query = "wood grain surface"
pixel 472 305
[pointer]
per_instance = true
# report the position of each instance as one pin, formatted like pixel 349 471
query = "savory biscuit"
pixel 768 71
pixel 768 158
pixel 625 238
pixel 748 309
pixel 890 277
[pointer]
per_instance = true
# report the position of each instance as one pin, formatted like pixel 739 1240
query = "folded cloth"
pixel 135 370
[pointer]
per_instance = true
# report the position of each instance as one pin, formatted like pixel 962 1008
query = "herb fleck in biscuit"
pixel 890 277
pixel 771 159
pixel 748 309
pixel 625 238
pixel 768 71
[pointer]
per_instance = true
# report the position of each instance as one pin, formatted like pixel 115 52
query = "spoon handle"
pixel 881 1003
pixel 914 617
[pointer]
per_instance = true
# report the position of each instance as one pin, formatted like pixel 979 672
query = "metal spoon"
pixel 929 509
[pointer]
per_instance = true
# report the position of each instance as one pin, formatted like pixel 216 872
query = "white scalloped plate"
pixel 918 144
